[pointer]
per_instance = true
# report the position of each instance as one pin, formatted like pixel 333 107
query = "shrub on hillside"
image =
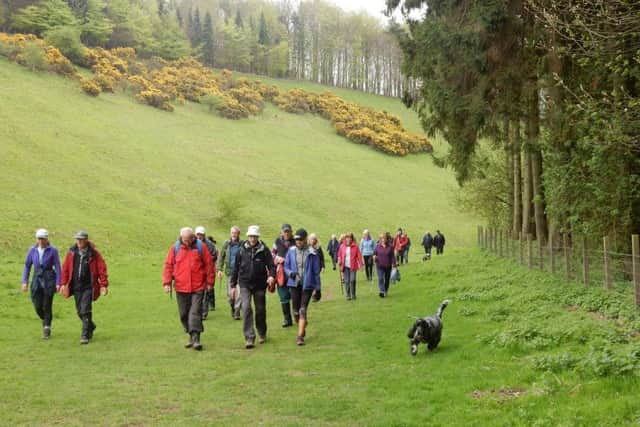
pixel 33 57
pixel 67 40
pixel 90 87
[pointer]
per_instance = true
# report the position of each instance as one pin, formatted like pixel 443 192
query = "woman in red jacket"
pixel 350 261
pixel 84 273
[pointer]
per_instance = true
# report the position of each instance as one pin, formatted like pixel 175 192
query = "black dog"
pixel 427 330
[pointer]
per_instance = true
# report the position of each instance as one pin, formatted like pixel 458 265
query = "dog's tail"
pixel 444 304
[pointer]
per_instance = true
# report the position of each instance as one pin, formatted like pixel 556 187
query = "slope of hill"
pixel 121 169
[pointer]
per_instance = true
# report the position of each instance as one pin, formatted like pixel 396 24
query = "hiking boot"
pixel 249 344
pixel 190 343
pixel 300 340
pixel 286 312
pixel 262 339
pixel 46 332
pixel 381 294
pixel 84 340
pixel 195 338
pixel 92 328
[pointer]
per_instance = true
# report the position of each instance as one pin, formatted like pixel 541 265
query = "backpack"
pixel 176 248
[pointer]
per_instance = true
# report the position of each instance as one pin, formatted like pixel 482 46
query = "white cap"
pixel 254 230
pixel 200 230
pixel 42 234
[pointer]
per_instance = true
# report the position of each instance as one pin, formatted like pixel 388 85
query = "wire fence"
pixel 577 258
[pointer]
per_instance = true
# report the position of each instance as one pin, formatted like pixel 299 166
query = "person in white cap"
pixel 190 268
pixel 209 299
pixel 44 259
pixel 252 272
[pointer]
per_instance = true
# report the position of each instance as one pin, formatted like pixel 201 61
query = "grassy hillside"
pixel 512 353
pixel 122 170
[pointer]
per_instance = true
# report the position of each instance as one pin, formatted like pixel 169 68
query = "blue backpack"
pixel 176 248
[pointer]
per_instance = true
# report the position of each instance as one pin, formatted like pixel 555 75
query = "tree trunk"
pixel 533 133
pixel 527 193
pixel 517 177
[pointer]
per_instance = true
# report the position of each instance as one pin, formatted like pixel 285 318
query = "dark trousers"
pixel 84 300
pixel 208 301
pixel 439 250
pixel 384 273
pixel 368 266
pixel 260 302
pixel 300 301
pixel 349 277
pixel 190 311
pixel 334 261
pixel 43 303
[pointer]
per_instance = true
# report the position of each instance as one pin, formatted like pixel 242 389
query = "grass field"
pixel 519 348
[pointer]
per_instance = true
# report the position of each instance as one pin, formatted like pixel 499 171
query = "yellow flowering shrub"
pixel 90 87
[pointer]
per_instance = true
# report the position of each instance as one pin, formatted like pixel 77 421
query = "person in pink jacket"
pixel 350 261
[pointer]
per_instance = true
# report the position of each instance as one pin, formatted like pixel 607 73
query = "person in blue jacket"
pixel 367 246
pixel 302 267
pixel 45 260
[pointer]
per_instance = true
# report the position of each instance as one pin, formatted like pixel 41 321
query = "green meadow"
pixel 519 348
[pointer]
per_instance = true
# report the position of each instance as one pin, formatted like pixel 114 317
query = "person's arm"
pixel 56 263
pixel 103 277
pixel 236 268
pixel 209 265
pixel 27 270
pixel 271 267
pixel 167 273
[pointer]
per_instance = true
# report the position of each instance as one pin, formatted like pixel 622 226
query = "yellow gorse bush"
pixel 159 83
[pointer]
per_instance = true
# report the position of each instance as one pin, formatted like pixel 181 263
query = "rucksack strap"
pixel 176 249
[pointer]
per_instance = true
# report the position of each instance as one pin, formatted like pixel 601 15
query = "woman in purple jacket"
pixel 44 258
pixel 385 260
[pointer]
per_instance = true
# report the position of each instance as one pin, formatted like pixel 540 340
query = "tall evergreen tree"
pixel 263 37
pixel 196 35
pixel 208 41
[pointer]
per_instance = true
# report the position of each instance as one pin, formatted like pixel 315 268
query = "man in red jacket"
pixel 84 273
pixel 190 267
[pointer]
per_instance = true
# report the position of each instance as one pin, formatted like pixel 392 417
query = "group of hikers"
pixel 292 266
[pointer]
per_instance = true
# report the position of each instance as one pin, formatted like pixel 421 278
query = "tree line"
pixel 308 40
pixel 539 101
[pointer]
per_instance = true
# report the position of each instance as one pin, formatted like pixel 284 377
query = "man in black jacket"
pixel 438 242
pixel 332 249
pixel 253 270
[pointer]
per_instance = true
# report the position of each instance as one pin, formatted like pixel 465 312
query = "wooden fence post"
pixel 530 250
pixel 608 283
pixel 585 262
pixel 635 257
pixel 520 243
pixel 567 257
pixel 552 258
